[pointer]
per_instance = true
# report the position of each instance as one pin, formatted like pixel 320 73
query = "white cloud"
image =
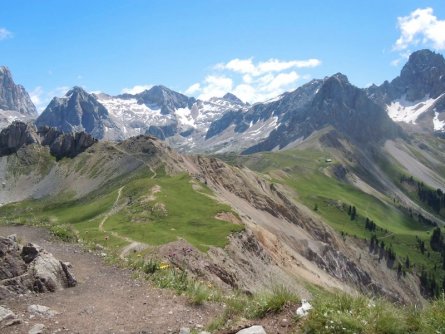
pixel 215 85
pixel 252 81
pixel 193 89
pixel 36 95
pixel 282 80
pixel 421 27
pixel 4 34
pixel 135 89
pixel 246 66
pixel 41 98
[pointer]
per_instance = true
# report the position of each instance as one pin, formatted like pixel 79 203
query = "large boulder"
pixel 17 135
pixel 30 268
pixel 7 318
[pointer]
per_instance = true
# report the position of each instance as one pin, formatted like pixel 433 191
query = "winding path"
pixel 133 245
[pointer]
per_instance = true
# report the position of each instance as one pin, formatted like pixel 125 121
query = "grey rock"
pixel 336 103
pixel 252 330
pixel 49 273
pixel 288 103
pixel 14 97
pixel 65 144
pixel 8 318
pixel 161 97
pixel 37 329
pixel 42 311
pixel 232 98
pixel 75 112
pixel 19 135
pixel 184 330
pixel 30 268
pixel 423 75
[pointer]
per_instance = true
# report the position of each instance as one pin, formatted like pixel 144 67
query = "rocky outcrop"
pixel 15 136
pixel 423 75
pixel 30 268
pixel 61 145
pixel 76 111
pixel 14 97
pixel 65 144
pixel 8 318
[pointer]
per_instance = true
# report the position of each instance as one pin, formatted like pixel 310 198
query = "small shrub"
pixel 433 317
pixel 198 293
pixel 150 267
pixel 273 302
pixel 63 232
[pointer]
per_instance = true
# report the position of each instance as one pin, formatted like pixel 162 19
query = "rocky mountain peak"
pixel 77 90
pixel 165 99
pixel 76 111
pixel 423 60
pixel 5 71
pixel 422 75
pixel 340 78
pixel 336 87
pixel 14 97
pixel 232 98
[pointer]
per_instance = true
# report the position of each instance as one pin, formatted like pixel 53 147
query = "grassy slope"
pixel 305 171
pixel 185 213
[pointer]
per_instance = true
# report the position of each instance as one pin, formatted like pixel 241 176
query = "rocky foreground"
pixel 39 296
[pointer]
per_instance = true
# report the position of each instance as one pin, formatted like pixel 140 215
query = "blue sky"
pixel 256 49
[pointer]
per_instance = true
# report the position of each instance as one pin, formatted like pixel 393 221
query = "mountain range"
pixel 329 187
pixel 412 102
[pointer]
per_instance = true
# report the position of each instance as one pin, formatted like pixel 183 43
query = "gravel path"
pixel 106 300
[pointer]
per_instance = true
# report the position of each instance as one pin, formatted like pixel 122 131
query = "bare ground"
pixel 107 299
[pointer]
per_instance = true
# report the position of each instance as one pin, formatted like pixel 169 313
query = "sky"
pixel 255 49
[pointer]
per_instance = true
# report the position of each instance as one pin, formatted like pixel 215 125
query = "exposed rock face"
pixel 423 75
pixel 76 111
pixel 65 144
pixel 19 134
pixel 14 97
pixel 232 98
pixel 30 268
pixel 416 98
pixel 261 112
pixel 165 99
pixel 339 104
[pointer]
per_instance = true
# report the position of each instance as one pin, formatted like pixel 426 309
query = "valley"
pixel 326 193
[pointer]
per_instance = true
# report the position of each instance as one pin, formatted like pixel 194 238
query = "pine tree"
pixel 353 213
pixel 407 264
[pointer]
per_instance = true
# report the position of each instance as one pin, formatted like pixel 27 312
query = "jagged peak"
pixel 159 89
pixel 421 61
pixel 5 70
pixel 76 89
pixel 232 98
pixel 340 77
pixel 78 92
pixel 424 55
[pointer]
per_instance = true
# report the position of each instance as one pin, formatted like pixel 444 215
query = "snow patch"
pixel 185 117
pixel 402 110
pixel 438 124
